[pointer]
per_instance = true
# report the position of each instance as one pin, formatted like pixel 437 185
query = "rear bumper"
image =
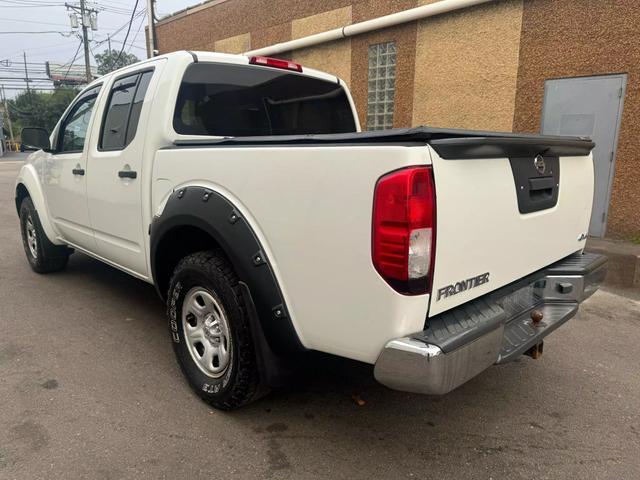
pixel 497 328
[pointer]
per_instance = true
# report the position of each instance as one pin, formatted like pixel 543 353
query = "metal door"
pixel 590 106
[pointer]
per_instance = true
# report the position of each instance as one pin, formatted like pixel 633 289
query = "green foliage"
pixel 110 60
pixel 40 109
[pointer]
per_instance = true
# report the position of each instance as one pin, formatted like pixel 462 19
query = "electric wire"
pixel 124 44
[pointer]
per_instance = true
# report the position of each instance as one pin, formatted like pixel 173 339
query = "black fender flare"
pixel 207 210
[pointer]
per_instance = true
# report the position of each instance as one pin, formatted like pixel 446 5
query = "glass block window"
pixel 382 86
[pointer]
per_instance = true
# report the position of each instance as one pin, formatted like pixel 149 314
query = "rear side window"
pixel 123 111
pixel 237 100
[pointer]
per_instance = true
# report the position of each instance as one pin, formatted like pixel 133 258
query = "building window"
pixel 382 86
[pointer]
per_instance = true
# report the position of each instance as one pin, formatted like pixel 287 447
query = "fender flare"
pixel 207 210
pixel 28 178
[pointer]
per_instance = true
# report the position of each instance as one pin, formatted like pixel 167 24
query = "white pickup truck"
pixel 243 189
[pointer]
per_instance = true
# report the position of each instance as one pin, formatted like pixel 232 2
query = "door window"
pixel 123 111
pixel 73 130
pixel 136 108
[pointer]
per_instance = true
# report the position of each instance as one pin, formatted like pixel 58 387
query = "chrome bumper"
pixel 497 328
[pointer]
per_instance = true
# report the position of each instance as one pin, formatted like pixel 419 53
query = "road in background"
pixel 90 389
pixel 14 157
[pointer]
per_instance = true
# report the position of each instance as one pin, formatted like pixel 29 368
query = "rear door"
pixel 500 219
pixel 114 187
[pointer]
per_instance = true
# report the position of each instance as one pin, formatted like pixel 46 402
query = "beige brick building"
pixel 521 65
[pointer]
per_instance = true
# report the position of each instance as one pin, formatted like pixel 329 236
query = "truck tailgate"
pixel 501 218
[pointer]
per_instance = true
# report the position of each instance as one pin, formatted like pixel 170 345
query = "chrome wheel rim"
pixel 206 332
pixel 32 239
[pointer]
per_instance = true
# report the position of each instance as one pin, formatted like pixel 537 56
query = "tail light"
pixel 275 63
pixel 404 229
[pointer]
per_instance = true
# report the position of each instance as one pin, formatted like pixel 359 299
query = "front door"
pixel 589 106
pixel 114 188
pixel 65 173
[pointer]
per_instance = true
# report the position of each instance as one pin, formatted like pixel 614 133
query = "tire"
pixel 210 331
pixel 43 256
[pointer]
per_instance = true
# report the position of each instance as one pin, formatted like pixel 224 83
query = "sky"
pixel 20 16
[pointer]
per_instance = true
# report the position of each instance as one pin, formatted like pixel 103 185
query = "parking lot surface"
pixel 90 389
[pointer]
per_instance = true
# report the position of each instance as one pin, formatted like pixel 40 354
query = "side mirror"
pixel 35 138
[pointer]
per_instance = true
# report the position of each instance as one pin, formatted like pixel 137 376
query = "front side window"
pixel 123 111
pixel 382 85
pixel 73 130
pixel 237 100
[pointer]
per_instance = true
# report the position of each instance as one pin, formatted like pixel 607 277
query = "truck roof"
pixel 218 57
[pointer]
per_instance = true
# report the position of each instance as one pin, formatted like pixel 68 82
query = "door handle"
pixel 127 174
pixel 78 171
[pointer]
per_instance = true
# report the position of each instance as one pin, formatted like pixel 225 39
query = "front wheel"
pixel 210 330
pixel 43 256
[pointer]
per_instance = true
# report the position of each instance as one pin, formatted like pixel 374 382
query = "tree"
pixel 111 60
pixel 40 109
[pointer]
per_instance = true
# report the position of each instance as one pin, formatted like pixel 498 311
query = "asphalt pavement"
pixel 14 156
pixel 89 388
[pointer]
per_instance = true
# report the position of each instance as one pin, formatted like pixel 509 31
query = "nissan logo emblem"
pixel 538 162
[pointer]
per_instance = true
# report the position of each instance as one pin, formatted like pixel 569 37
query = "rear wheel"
pixel 43 256
pixel 210 331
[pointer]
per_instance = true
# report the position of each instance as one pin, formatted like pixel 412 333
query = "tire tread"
pixel 51 258
pixel 246 388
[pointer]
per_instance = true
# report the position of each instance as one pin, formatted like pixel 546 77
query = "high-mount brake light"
pixel 276 63
pixel 404 229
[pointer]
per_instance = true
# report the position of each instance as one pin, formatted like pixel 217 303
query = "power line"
pixel 16 70
pixel 5 69
pixel 135 7
pixel 27 5
pixel 124 4
pixel 45 89
pixel 46 47
pixel 73 59
pixel 118 30
pixel 21 20
pixel 29 2
pixel 131 45
pixel 136 36
pixel 42 23
pixel 23 80
pixel 64 34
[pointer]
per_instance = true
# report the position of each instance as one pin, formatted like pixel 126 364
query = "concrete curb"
pixel 624 261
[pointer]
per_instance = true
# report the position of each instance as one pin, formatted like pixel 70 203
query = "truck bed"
pixel 488 227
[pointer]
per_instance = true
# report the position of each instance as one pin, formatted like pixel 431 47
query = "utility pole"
pixel 6 112
pixel 109 40
pixel 88 19
pixel 85 39
pixel 152 28
pixel 26 73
